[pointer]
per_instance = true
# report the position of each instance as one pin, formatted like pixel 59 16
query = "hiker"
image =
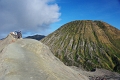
pixel 13 34
pixel 19 35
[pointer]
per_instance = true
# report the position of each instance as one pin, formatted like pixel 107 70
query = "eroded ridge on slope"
pixel 88 44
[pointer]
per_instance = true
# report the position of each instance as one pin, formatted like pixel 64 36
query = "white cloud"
pixel 27 15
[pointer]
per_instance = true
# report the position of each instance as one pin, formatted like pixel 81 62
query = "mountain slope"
pixel 4 42
pixel 88 44
pixel 28 59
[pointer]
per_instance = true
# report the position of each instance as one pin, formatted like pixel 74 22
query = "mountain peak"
pixel 86 43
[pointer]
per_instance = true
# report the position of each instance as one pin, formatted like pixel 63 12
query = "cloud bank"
pixel 27 15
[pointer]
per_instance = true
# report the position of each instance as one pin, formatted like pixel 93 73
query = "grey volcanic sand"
pixel 28 59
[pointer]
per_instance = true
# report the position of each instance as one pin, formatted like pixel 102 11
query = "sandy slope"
pixel 28 59
pixel 102 74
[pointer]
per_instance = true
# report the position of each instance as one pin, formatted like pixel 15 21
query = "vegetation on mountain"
pixel 87 44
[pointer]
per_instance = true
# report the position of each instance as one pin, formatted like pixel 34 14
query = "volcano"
pixel 86 44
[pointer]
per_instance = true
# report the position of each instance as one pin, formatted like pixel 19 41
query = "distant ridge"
pixel 37 37
pixel 86 43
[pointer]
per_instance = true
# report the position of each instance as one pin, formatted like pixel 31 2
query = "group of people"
pixel 17 34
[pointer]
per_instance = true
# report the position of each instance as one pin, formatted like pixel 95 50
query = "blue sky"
pixel 105 10
pixel 45 16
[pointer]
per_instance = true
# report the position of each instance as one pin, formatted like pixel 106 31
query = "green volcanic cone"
pixel 87 44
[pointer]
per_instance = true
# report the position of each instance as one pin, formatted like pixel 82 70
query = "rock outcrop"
pixel 6 41
pixel 28 59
